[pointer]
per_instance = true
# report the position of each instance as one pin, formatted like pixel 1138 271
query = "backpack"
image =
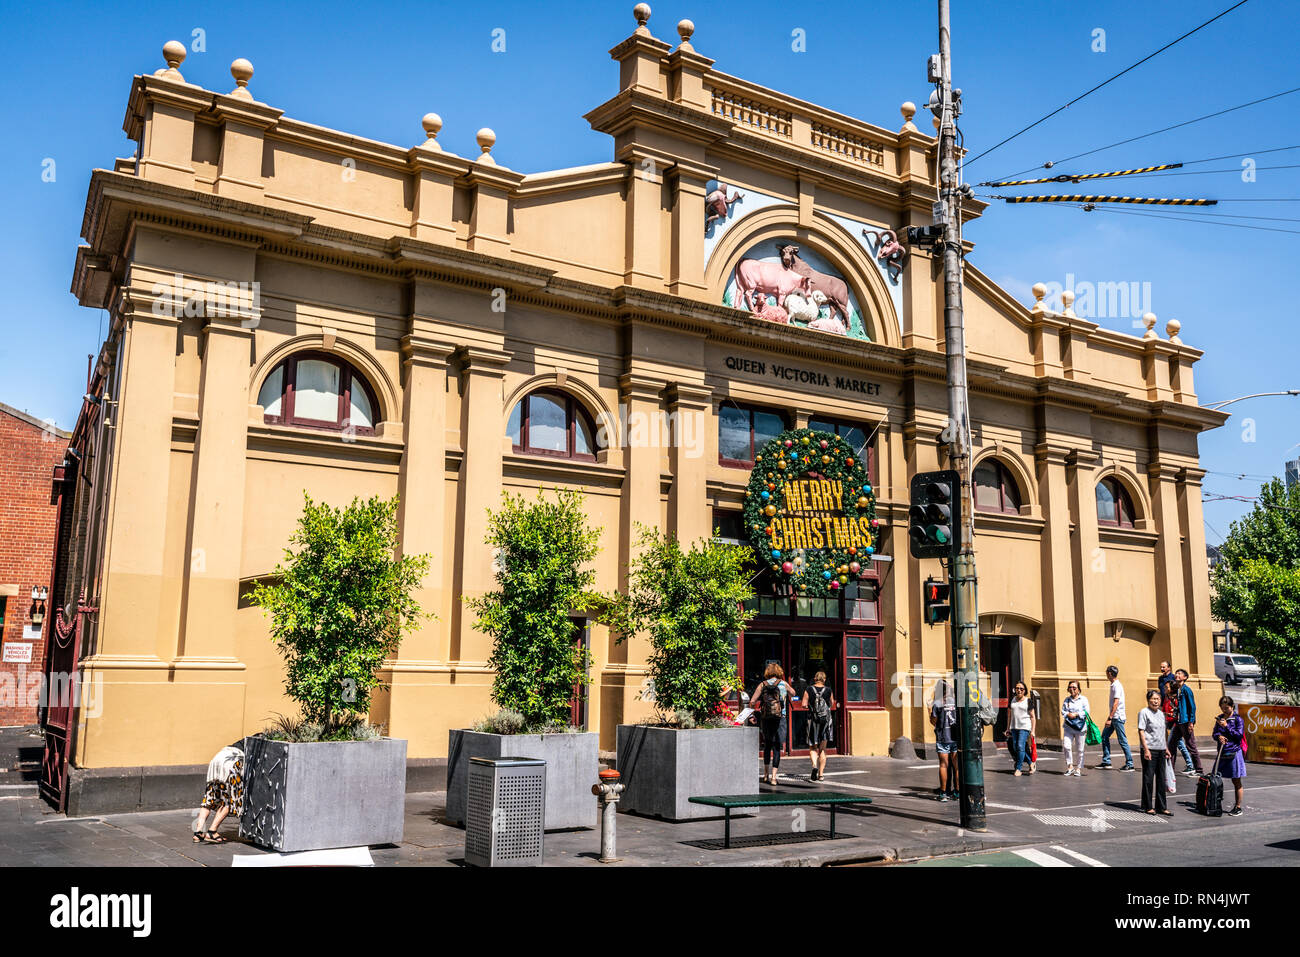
pixel 817 703
pixel 769 700
pixel 1171 711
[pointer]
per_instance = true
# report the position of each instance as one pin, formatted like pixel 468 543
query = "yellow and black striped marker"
pixel 1076 177
pixel 1087 198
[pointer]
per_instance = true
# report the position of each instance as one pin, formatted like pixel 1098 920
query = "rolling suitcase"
pixel 1209 789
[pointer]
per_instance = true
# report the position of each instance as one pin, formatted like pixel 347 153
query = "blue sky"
pixel 375 69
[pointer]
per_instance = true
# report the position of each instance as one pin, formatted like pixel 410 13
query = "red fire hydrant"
pixel 607 791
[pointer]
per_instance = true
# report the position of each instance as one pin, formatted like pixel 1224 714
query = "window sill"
pixel 296 438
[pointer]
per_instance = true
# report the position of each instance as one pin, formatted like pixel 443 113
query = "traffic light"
pixel 937 608
pixel 924 235
pixel 934 515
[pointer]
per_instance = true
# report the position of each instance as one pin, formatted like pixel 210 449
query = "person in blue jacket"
pixel 1230 731
pixel 1185 726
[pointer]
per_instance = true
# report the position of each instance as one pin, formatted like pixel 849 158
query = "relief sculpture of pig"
pixel 769 279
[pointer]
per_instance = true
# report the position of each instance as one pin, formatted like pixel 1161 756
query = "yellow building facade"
pixel 297 308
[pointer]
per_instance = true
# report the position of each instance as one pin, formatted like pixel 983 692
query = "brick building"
pixel 29 451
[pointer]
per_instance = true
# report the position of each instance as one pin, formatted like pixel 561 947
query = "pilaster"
pixel 215 531
pixel 688 508
pixel 1171 591
pixel 481 429
pixel 1059 630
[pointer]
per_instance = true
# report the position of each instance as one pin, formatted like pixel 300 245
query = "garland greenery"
pixel 810 511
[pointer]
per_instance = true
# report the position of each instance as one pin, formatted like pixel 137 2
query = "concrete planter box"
pixel 572 766
pixel 662 768
pixel 304 797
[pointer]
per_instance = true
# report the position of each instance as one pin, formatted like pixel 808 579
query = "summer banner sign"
pixel 810 511
pixel 1273 732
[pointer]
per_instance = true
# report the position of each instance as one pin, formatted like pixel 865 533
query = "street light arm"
pixel 1219 405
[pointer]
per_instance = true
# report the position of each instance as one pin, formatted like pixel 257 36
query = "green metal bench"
pixel 776 799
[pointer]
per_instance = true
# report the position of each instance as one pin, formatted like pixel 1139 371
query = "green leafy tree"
pixel 544 573
pixel 340 607
pixel 690 604
pixel 1257 583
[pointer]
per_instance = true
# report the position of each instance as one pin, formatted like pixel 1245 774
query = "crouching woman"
pixel 223 794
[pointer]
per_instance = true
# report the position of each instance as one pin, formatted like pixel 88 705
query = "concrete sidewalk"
pixel 904 823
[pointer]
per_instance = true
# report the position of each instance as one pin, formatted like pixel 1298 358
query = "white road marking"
pixel 1008 807
pixel 1035 856
pixel 333 857
pixel 1091 862
pixel 839 773
pixel 863 787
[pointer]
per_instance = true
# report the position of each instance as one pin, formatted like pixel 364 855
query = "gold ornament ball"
pixel 826 460
pixel 805 440
pixel 781 464
pixel 863 501
pixel 770 510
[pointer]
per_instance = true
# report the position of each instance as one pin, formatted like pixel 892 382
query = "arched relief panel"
pixel 826 248
pixel 386 393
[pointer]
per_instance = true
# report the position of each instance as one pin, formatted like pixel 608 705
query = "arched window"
pixel 1114 506
pixel 548 422
pixel 317 390
pixel 996 489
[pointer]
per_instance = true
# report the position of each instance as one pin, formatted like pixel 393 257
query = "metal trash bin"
pixel 505 812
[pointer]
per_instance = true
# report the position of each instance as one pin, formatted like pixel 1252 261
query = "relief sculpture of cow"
pixel 834 288
pixel 767 279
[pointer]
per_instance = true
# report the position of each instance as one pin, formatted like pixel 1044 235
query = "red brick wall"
pixel 28 455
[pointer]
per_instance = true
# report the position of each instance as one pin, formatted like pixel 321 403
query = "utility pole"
pixel 965 611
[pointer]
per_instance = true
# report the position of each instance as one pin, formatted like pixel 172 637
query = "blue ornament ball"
pixel 826 575
pixel 767 495
pixel 870 550
pixel 776 554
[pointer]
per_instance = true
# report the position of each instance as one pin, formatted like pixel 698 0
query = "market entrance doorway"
pixel 801 654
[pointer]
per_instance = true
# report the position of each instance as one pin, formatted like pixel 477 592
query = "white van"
pixel 1234 668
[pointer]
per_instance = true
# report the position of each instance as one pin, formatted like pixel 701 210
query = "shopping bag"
pixel 1094 732
pixel 1033 748
pixel 1171 783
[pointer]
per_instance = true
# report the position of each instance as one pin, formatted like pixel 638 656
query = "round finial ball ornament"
pixel 908 109
pixel 1039 290
pixel 174 53
pixel 432 123
pixel 242 71
pixel 485 138
pixel 1172 327
pixel 685 29
pixel 642 13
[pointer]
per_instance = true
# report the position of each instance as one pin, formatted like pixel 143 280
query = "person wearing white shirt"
pixel 1115 723
pixel 1074 728
pixel 1020 727
pixel 1151 734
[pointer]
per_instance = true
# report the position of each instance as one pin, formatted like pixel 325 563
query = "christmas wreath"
pixel 810 511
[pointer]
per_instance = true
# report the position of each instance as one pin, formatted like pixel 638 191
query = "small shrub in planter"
pixel 544 575
pixel 338 608
pixel 690 604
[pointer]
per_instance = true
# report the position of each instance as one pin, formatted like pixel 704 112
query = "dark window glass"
pixel 855 435
pixel 730 524
pixel 742 432
pixel 318 391
pixel 862 670
pixel 552 423
pixel 995 489
pixel 1114 506
pixel 733 435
